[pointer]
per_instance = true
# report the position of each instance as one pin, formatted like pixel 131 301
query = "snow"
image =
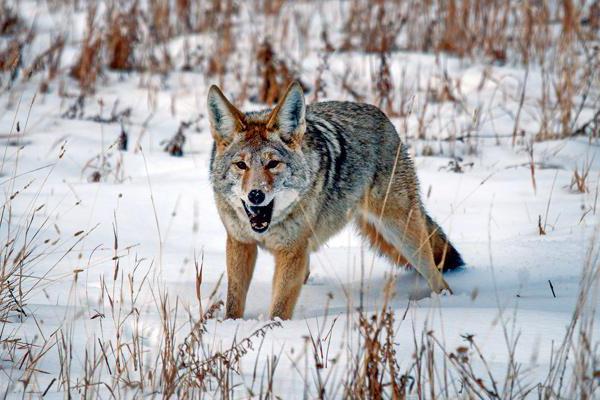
pixel 162 209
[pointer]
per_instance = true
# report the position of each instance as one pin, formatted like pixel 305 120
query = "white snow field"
pixel 114 296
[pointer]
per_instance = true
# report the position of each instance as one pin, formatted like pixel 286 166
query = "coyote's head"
pixel 258 165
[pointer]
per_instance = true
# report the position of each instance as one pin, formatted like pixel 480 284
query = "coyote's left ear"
pixel 288 117
pixel 225 119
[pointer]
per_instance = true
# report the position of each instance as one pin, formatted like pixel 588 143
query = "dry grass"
pixel 122 38
pixel 24 244
pixel 275 75
pixel 87 67
pixel 580 181
pixel 185 362
pixel 10 21
pixel 130 35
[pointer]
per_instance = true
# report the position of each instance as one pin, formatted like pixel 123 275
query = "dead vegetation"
pixel 184 361
pixel 580 181
pixel 129 35
pixel 122 37
pixel 541 33
pixel 10 22
pixel 87 67
pixel 274 74
pixel 136 36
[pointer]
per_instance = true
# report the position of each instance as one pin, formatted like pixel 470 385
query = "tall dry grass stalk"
pixel 88 65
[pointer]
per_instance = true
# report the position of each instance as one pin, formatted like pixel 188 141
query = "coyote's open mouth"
pixel 260 217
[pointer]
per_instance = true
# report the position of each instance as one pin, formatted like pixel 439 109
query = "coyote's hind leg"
pixel 378 243
pixel 406 238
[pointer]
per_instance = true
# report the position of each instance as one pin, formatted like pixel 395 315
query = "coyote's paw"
pixel 419 293
pixel 441 288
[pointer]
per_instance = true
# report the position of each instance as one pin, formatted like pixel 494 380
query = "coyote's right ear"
pixel 225 119
pixel 288 117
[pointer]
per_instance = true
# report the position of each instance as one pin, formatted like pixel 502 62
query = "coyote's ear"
pixel 225 119
pixel 288 117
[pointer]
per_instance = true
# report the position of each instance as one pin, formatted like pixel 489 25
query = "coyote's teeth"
pixel 259 216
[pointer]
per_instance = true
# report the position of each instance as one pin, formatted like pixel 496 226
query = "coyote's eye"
pixel 273 164
pixel 241 165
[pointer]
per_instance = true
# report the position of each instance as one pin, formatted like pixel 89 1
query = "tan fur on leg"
pixel 290 271
pixel 241 258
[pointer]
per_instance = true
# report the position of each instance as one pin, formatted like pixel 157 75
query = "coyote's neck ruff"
pixel 288 179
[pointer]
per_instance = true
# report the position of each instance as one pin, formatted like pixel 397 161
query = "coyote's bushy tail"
pixel 444 253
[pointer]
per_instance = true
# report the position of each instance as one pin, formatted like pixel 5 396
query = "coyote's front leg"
pixel 290 272
pixel 241 258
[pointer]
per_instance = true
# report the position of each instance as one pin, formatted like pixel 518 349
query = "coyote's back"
pixel 288 179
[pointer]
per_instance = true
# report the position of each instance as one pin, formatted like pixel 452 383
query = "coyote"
pixel 288 179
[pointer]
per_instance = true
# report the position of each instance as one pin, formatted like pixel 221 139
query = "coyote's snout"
pixel 288 179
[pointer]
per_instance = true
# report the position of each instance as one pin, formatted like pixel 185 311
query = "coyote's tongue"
pixel 259 217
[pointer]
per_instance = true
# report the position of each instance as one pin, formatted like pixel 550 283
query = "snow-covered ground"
pixel 517 285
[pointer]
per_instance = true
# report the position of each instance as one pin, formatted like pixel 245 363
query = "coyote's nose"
pixel 256 196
